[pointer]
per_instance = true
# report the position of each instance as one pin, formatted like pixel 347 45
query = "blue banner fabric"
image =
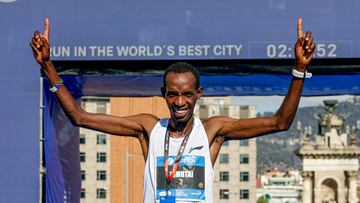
pixel 62 157
pixel 214 85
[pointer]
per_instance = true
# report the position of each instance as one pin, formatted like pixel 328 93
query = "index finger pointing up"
pixel 299 29
pixel 47 29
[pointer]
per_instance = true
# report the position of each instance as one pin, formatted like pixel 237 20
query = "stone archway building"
pixel 330 163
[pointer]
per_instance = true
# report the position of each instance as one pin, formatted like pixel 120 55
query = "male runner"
pixel 179 151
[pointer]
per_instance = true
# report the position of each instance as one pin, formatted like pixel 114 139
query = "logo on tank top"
pixel 195 148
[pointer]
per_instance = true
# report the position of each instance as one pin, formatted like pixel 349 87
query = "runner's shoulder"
pixel 146 120
pixel 214 121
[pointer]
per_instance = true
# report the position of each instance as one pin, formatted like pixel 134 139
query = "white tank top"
pixel 194 178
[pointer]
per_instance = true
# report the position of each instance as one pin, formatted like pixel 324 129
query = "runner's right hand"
pixel 40 44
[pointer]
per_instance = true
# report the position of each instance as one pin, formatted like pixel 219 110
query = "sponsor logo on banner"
pixel 7 1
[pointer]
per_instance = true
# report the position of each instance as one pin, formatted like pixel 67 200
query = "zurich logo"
pixel 170 161
pixel 7 1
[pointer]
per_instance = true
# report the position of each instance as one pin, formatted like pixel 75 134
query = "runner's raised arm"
pixel 230 128
pixel 136 126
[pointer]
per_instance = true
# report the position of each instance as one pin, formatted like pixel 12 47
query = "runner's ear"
pixel 199 92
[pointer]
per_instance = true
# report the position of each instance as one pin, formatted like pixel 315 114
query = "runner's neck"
pixel 180 130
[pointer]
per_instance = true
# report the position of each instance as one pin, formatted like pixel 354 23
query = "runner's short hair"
pixel 182 67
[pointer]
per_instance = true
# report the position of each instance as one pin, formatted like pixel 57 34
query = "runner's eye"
pixel 188 94
pixel 171 94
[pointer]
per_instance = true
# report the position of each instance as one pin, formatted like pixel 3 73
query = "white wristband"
pixel 301 75
pixel 57 86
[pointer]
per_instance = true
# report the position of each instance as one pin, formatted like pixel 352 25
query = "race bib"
pixel 188 183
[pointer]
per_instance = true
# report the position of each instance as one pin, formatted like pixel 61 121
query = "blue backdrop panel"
pixel 63 180
pixel 152 29
pixel 19 109
pixel 201 29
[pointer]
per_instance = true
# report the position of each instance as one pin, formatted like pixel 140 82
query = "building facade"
pixel 95 157
pixel 112 167
pixel 235 167
pixel 127 161
pixel 280 186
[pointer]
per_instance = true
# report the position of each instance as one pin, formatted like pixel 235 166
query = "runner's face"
pixel 181 95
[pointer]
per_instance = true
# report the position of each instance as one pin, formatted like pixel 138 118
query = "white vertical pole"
pixel 41 150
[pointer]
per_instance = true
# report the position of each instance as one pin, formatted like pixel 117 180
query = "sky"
pixel 272 103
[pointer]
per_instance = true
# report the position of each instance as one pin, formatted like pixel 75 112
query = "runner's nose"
pixel 180 101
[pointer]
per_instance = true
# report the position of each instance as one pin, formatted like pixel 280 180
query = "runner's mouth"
pixel 180 113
